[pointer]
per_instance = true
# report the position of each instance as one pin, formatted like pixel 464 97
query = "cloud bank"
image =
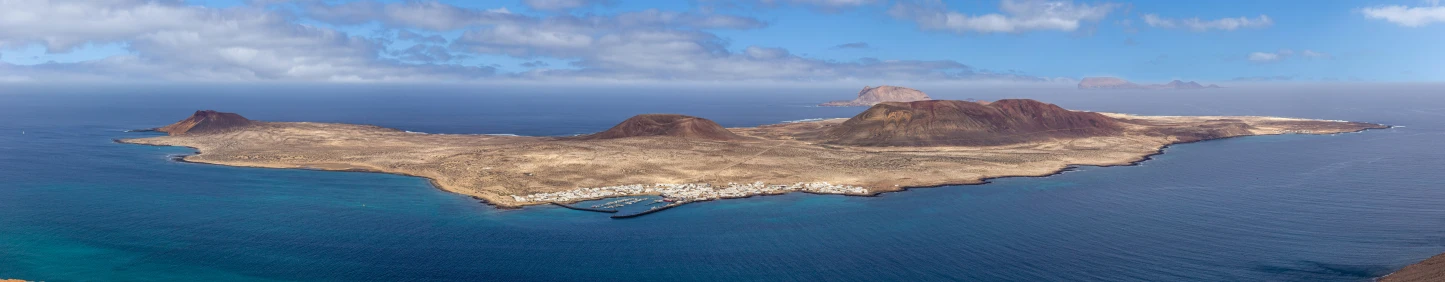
pixel 1407 16
pixel 174 41
pixel 1017 16
pixel 1282 54
pixel 1196 24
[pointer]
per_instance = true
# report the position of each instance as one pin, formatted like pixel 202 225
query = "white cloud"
pixel 1017 16
pixel 1407 16
pixel 420 14
pixel 1197 24
pixel 440 16
pixel 654 17
pixel 766 53
pixel 1263 57
pixel 662 54
pixel 556 5
pixel 833 3
pixel 175 41
pixel 1313 54
pixel 825 4
pixel 64 25
pixel 420 38
pixel 172 41
pixel 1282 54
pixel 853 45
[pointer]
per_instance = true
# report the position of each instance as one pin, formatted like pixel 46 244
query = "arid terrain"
pixel 889 147
pixel 1429 270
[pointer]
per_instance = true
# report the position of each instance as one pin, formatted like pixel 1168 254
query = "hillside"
pixel 963 123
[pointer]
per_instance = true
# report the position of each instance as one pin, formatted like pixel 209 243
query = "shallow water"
pixel 75 206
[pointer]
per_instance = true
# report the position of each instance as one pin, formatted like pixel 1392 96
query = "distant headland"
pixel 873 95
pixel 1118 83
pixel 890 146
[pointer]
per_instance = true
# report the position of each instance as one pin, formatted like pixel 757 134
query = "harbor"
pixel 628 201
pixel 584 209
pixel 618 203
pixel 648 211
pixel 690 192
pixel 624 207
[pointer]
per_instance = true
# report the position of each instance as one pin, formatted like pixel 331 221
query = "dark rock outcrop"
pixel 207 121
pixel 673 125
pixel 1117 83
pixel 963 123
pixel 873 95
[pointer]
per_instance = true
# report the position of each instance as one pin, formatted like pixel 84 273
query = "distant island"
pixel 1118 83
pixel 873 95
pixel 889 147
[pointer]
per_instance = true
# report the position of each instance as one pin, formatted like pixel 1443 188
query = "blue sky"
pixel 804 41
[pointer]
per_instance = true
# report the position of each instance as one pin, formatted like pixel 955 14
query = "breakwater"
pixel 585 209
pixel 648 211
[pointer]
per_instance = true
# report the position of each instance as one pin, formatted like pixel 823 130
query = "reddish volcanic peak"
pixel 673 125
pixel 963 123
pixel 206 121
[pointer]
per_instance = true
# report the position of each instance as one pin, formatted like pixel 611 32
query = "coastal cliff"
pixel 873 95
pixel 1118 83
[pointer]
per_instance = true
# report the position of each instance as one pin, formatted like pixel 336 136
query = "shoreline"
pixel 430 181
pixel 519 205
pixel 1428 269
pixel 571 207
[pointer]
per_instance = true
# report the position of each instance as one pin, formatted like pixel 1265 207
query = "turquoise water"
pixel 75 206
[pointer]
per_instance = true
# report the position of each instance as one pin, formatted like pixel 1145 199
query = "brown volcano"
pixel 963 123
pixel 206 121
pixel 666 125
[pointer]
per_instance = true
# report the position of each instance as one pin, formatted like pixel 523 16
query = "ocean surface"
pixel 74 206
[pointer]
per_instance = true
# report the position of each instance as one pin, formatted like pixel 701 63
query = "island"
pixel 891 146
pixel 873 95
pixel 1118 83
pixel 1432 269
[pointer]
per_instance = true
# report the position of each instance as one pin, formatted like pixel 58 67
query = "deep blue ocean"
pixel 74 206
